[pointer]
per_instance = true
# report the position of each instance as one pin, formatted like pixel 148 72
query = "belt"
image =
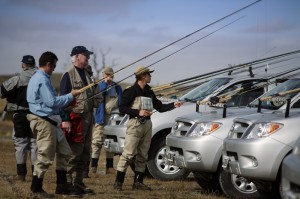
pixel 142 120
pixel 22 111
pixel 47 119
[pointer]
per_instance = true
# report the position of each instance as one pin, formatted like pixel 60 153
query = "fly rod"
pixel 174 42
pixel 93 84
pixel 226 96
pixel 217 72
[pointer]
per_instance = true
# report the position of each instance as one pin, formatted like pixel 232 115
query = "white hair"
pixel 73 58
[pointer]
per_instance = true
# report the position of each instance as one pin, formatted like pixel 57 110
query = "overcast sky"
pixel 132 29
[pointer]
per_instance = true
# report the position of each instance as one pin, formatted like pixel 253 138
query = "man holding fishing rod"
pixel 112 97
pixel 78 120
pixel 138 102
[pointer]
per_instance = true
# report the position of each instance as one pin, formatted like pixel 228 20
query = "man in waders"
pixel 138 102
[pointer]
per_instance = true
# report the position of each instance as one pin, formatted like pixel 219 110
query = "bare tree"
pixel 98 68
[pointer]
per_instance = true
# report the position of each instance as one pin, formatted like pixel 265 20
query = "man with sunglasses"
pixel 138 102
pixel 45 105
pixel 78 120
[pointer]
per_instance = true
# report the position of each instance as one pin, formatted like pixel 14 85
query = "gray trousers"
pixel 23 139
pixel 80 150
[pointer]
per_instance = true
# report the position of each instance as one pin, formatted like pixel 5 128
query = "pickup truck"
pixel 158 166
pixel 257 144
pixel 196 140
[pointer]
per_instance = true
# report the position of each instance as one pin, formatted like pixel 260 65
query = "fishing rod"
pixel 174 42
pixel 93 84
pixel 226 96
pixel 209 74
pixel 220 71
pixel 181 89
pixel 257 67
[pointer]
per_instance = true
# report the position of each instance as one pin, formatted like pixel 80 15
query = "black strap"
pixel 47 119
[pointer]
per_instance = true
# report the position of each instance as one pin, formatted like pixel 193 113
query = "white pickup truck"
pixel 158 165
pixel 257 144
pixel 196 142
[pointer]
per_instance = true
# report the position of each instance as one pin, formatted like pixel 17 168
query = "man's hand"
pixel 144 113
pixel 76 92
pixel 178 104
pixel 66 125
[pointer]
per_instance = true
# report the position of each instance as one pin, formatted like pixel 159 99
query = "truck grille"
pixel 181 128
pixel 175 149
pixel 237 130
pixel 113 137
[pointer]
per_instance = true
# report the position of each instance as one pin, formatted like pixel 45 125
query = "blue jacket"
pixel 100 111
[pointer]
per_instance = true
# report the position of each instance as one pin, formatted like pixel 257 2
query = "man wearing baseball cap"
pixel 112 96
pixel 14 90
pixel 138 102
pixel 78 120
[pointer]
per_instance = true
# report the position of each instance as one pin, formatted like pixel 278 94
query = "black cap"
pixel 28 59
pixel 80 49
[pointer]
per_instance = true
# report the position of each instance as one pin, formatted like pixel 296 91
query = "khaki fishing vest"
pixel 77 83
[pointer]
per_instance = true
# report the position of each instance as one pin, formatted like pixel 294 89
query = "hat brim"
pixel 89 52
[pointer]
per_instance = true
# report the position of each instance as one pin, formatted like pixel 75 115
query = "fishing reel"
pixel 142 120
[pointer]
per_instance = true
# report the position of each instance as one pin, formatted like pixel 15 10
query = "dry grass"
pixel 102 184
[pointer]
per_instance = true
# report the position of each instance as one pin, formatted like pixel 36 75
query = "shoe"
pixel 140 186
pixel 67 189
pixel 85 174
pixel 110 171
pixel 94 169
pixel 118 185
pixel 20 178
pixel 42 194
pixel 80 186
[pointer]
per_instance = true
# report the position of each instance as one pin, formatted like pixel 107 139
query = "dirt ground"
pixel 100 183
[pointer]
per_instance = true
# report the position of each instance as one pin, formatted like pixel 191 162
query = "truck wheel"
pixel 235 186
pixel 208 181
pixel 158 165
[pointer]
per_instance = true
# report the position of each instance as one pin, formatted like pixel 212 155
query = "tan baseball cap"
pixel 108 70
pixel 141 70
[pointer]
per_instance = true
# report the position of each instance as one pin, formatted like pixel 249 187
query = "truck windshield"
pixel 274 105
pixel 205 89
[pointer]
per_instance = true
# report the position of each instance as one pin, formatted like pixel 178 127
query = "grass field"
pixel 102 184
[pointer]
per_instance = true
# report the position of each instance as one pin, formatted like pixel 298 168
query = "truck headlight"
pixel 204 128
pixel 261 130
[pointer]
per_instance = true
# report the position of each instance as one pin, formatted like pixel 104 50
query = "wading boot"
pixel 119 180
pixel 64 188
pixel 138 182
pixel 37 188
pixel 21 172
pixel 80 186
pixel 110 166
pixel 94 165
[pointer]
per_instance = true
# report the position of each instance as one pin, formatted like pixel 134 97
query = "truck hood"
pixel 216 114
pixel 270 116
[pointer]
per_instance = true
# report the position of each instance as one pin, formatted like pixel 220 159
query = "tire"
pixel 158 166
pixel 237 186
pixel 208 181
pixel 271 192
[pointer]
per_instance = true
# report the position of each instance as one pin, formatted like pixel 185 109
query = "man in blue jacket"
pixel 112 95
